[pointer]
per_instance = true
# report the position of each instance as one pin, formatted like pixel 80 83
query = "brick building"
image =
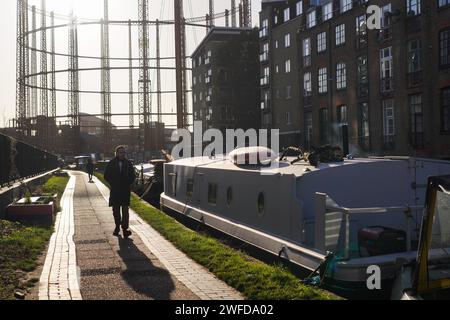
pixel 322 67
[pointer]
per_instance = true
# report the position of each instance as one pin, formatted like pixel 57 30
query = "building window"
pixel 266 99
pixel 413 7
pixel 416 111
pixel 414 61
pixel 287 66
pixel 361 32
pixel 386 20
pixel 307 85
pixel 414 56
pixel 311 19
pixel 346 5
pixel 287 14
pixel 443 3
pixel 445 110
pixel 299 8
pixel 323 122
pixel 342 115
pixel 386 70
pixel 444 48
pixel 264 29
pixel 308 129
pixel 307 52
pixel 327 11
pixel 323 79
pixel 388 123
pixel 341 76
pixel 287 40
pixel 288 118
pixel 340 35
pixel 322 42
pixel 265 77
pixel 288 92
pixel 363 79
pixel 364 126
pixel 212 193
pixel 342 118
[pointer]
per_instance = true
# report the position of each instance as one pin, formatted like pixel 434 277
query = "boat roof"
pixel 298 169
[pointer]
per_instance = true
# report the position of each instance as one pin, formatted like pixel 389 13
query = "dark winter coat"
pixel 90 168
pixel 120 182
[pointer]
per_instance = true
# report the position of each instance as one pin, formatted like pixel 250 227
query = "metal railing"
pixel 324 206
pixel 20 161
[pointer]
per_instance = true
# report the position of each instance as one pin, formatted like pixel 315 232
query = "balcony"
pixel 387 85
pixel 385 34
pixel 307 99
pixel 361 41
pixel 265 105
pixel 264 57
pixel 363 90
pixel 265 81
pixel 414 79
pixel 263 33
pixel 306 61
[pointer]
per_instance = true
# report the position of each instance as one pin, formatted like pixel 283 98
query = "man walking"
pixel 120 175
pixel 90 169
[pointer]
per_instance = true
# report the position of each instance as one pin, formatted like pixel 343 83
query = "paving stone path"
pixel 95 265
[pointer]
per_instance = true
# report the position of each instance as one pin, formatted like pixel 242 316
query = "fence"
pixel 20 161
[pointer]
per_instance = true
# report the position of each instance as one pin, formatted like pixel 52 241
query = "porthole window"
pixel 261 204
pixel 229 196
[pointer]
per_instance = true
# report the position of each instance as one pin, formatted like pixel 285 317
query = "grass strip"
pixel 21 244
pixel 256 280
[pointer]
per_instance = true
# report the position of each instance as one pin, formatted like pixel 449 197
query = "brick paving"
pixel 59 278
pixel 85 261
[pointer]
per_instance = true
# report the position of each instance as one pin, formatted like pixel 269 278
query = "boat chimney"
pixel 345 141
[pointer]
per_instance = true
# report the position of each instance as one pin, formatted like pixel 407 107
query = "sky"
pixel 89 44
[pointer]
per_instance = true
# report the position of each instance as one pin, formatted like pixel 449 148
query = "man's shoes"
pixel 116 232
pixel 127 234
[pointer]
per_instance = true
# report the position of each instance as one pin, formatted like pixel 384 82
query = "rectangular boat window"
pixel 172 188
pixel 212 193
pixel 190 188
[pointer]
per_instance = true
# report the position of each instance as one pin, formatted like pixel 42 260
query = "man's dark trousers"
pixel 122 219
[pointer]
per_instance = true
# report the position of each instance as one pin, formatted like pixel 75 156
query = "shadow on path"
pixel 142 275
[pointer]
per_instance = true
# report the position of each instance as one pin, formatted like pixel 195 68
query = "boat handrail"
pixel 325 205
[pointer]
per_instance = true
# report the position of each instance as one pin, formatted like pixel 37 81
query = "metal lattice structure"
pixel 52 67
pixel 40 114
pixel 22 67
pixel 130 75
pixel 144 78
pixel 158 72
pixel 44 132
pixel 74 103
pixel 33 67
pixel 106 79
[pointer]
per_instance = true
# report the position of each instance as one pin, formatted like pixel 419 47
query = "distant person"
pixel 120 175
pixel 90 169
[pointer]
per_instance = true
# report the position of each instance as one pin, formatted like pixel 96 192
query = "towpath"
pixel 85 261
